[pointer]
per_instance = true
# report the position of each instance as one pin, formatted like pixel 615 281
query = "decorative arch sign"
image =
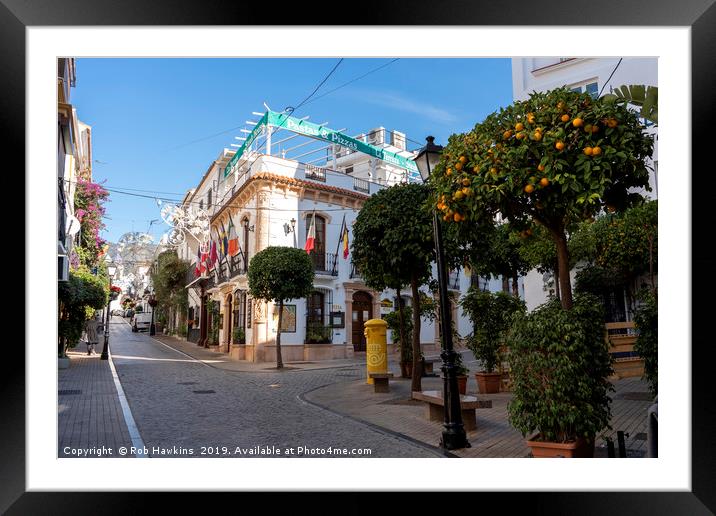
pixel 319 132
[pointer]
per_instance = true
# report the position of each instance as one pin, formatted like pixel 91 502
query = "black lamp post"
pixel 111 269
pixel 152 303
pixel 454 436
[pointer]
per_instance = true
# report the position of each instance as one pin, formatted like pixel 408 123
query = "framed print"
pixel 164 101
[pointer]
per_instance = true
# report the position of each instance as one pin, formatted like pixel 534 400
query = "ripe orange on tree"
pixel 448 172
pixel 462 159
pixel 519 126
pixel 458 166
pixel 588 151
pixel 577 122
pixel 466 182
pixel 529 189
pixel 596 151
pixel 544 181
pixel 540 167
pixel 506 134
pixel 565 118
pixel 457 217
pixel 559 145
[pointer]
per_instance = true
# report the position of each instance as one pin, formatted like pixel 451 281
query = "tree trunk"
pixel 555 274
pixel 416 384
pixel 403 347
pixel 515 286
pixel 565 287
pixel 505 284
pixel 279 359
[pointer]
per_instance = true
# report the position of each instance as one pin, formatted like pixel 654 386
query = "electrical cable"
pixel 610 77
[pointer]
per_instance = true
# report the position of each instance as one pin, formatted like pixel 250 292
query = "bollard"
pixel 376 347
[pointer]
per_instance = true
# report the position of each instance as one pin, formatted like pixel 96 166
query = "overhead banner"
pixel 312 130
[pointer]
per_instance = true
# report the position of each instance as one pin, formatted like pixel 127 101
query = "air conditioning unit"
pixel 63 267
pixel 377 136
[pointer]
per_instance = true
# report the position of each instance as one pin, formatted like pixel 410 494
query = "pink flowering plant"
pixel 89 210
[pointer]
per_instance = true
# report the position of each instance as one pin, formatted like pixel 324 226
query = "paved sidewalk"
pixel 90 418
pixel 494 437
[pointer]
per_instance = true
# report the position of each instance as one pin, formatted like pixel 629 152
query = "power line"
pixel 319 85
pixel 610 77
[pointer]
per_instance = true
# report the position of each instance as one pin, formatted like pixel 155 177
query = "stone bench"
pixel 381 381
pixel 435 410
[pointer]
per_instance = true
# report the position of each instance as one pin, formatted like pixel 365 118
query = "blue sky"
pixel 146 114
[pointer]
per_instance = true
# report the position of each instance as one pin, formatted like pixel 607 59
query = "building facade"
pixel 596 76
pixel 271 200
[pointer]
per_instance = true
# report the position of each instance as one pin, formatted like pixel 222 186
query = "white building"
pixel 267 196
pixel 597 76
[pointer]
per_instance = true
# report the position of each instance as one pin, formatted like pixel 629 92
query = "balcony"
pixel 354 271
pixel 315 173
pixel 325 263
pixel 237 265
pixel 361 185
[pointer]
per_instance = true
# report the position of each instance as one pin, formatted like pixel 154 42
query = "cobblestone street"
pixel 180 402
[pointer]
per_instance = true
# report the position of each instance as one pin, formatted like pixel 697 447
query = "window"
pixel 349 170
pixel 591 87
pixel 208 199
pixel 318 255
pixel 201 204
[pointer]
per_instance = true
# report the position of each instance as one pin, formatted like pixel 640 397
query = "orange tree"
pixel 555 159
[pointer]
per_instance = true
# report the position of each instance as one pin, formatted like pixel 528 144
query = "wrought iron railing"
pixel 325 263
pixel 237 264
pixel 315 173
pixel 355 273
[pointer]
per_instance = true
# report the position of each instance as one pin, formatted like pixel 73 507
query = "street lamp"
pixel 111 269
pixel 454 436
pixel 152 303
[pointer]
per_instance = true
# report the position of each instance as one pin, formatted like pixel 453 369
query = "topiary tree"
pixel 555 159
pixel 560 367
pixel 393 246
pixel 491 315
pixel 279 274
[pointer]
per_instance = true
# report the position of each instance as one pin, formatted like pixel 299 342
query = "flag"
pixel 311 238
pixel 197 269
pixel 233 247
pixel 223 241
pixel 345 242
pixel 213 257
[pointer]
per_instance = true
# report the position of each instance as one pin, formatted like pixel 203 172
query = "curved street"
pixel 179 402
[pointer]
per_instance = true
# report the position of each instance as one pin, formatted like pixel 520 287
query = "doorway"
pixel 362 311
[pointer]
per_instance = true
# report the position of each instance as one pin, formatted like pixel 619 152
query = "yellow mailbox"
pixel 376 347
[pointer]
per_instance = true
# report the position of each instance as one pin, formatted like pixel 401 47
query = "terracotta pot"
pixel 488 383
pixel 462 384
pixel 581 448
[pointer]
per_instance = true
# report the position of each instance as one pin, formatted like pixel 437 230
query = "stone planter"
pixel 488 383
pixel 581 448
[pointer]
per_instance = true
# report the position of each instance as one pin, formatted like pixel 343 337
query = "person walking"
pixel 91 331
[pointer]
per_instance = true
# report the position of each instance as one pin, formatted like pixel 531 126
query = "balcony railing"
pixel 325 263
pixel 478 282
pixel 237 264
pixel 354 271
pixel 315 173
pixel 361 185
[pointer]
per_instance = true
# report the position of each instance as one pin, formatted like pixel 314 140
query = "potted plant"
pixel 559 367
pixel 462 373
pixel 490 314
pixel 239 336
pixel 114 292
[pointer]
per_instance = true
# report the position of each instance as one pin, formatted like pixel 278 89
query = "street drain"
pixel 204 392
pixel 68 392
pixel 187 383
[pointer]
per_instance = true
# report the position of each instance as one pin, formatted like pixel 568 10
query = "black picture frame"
pixel 699 15
pixel 340 316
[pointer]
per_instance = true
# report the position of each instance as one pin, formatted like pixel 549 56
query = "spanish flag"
pixel 345 241
pixel 311 237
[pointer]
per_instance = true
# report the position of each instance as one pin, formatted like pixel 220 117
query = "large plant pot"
pixel 462 384
pixel 488 383
pixel 581 448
